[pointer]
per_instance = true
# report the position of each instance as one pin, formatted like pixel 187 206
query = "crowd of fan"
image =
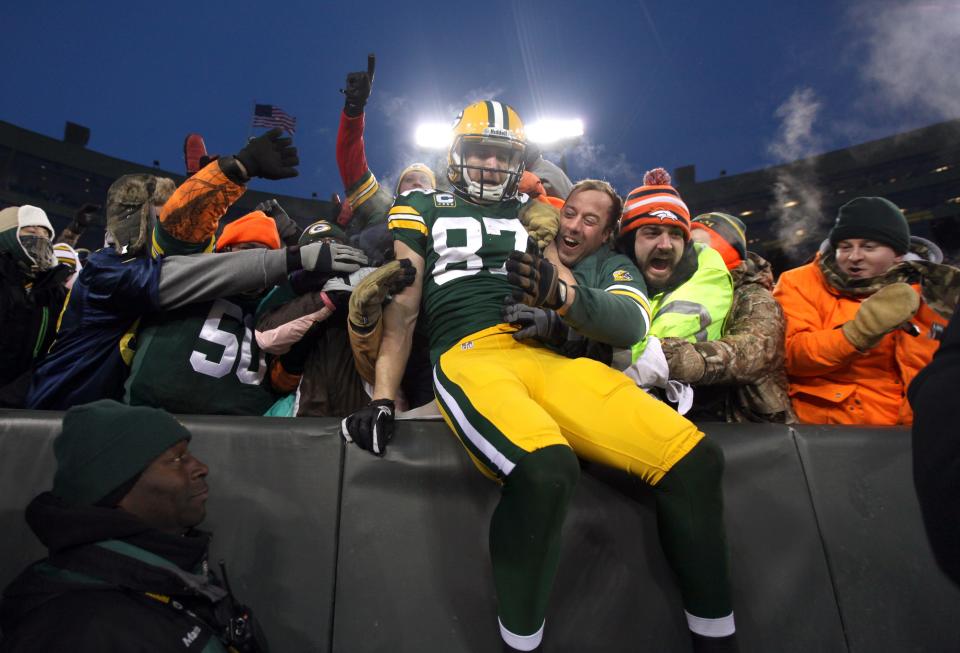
pixel 294 328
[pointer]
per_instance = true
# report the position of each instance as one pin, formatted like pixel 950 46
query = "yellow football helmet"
pixel 493 130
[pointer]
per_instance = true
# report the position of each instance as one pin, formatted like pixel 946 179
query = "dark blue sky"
pixel 656 83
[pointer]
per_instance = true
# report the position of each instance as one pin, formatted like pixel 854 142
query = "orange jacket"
pixel 830 381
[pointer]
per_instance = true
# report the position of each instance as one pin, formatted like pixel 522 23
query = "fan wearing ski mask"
pixel 31 296
pixel 145 269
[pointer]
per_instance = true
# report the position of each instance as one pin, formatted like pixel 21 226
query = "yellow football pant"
pixel 504 399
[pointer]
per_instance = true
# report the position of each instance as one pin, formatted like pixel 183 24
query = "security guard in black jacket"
pixel 127 570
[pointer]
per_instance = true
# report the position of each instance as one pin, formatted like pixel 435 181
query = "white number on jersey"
pixel 467 253
pixel 211 332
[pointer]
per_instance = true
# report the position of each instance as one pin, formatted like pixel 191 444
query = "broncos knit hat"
pixel 872 218
pixel 728 235
pixel 322 229
pixel 104 444
pixel 656 202
pixel 255 227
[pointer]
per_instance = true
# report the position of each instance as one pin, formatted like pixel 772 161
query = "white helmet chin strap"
pixel 483 191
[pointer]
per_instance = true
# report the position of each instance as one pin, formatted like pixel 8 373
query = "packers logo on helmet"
pixel 485 161
pixel 322 231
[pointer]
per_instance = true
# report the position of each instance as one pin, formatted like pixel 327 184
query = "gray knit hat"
pixel 104 444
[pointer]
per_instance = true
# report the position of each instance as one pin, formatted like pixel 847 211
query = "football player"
pixel 523 412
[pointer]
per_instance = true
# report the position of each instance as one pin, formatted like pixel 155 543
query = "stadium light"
pixel 437 135
pixel 549 132
pixel 433 135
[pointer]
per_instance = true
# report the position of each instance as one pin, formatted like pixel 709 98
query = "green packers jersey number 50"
pixel 215 331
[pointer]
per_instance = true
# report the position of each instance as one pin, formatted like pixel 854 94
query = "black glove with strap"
pixel 270 156
pixel 542 324
pixel 358 88
pixel 371 427
pixel 536 280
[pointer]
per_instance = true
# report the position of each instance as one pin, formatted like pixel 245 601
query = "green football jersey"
pixel 202 358
pixel 464 246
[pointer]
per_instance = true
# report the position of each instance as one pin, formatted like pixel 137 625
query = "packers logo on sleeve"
pixel 622 275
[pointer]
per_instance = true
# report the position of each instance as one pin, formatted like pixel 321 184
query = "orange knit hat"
pixel 254 227
pixel 728 235
pixel 730 256
pixel 656 202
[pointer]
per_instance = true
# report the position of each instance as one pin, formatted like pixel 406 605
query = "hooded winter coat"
pixel 111 583
pixel 831 382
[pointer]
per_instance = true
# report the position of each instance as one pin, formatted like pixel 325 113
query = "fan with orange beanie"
pixel 252 231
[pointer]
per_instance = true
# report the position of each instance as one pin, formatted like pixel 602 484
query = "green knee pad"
pixel 690 520
pixel 525 535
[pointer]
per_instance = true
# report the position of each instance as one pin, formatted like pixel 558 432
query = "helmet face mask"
pixel 486 159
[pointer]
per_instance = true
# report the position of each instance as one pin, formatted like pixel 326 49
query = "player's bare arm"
pixel 399 320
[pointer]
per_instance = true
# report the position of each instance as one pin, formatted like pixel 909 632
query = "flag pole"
pixel 253 116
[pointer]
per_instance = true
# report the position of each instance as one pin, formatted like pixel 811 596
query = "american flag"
pixel 267 115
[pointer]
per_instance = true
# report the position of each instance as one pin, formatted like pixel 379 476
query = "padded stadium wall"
pixel 337 550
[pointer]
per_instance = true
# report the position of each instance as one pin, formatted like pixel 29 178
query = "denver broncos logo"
pixel 663 214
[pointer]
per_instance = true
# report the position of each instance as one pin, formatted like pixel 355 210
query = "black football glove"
pixel 358 88
pixel 371 427
pixel 542 324
pixel 271 156
pixel 535 280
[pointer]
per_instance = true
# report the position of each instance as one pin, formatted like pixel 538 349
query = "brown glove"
pixel 685 362
pixel 881 313
pixel 367 298
pixel 541 220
